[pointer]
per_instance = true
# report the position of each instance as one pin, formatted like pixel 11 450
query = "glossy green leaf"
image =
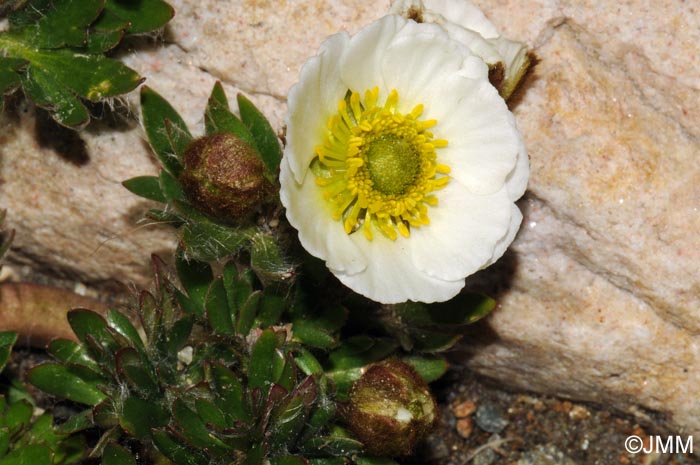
pixel 193 429
pixel 7 341
pixel 75 423
pixel 136 16
pixel 433 341
pixel 429 368
pixel 155 111
pixel 147 187
pixel 288 419
pixel 332 445
pixel 121 324
pixel 114 454
pixel 195 277
pixel 131 369
pixel 264 136
pixel 310 334
pixel 260 368
pixel 330 461
pixel 176 451
pixel 65 107
pixel 72 353
pixel 32 454
pixel 103 41
pixel 17 416
pixel 228 392
pixel 179 334
pixel 237 288
pixel 308 363
pixel 270 311
pixel 218 118
pixel 63 25
pixel 210 413
pixel 218 311
pixel 139 416
pixel 9 79
pixel 248 312
pixel 72 382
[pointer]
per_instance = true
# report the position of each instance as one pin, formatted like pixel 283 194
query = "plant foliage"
pixel 55 50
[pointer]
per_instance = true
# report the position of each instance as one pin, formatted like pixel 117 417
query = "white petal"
pixel 417 61
pixel 516 182
pixel 461 12
pixel 312 101
pixel 311 215
pixel 463 232
pixel 515 219
pixel 483 141
pixel 391 277
pixel 360 67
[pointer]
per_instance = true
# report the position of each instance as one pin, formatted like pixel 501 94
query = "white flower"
pixel 508 60
pixel 402 162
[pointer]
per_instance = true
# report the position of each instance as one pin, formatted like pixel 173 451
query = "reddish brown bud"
pixel 391 409
pixel 224 177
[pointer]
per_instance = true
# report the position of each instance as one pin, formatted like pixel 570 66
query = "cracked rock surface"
pixel 599 295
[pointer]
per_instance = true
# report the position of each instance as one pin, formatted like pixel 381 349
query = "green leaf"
pixel 131 369
pixel 265 138
pixel 195 277
pixel 218 311
pixel 433 341
pixel 429 368
pixel 237 288
pixel 260 368
pixel 123 326
pixel 114 454
pixel 137 17
pixel 179 334
pixel 71 352
pixel 147 187
pixel 332 445
pixel 308 363
pixel 65 107
pixel 311 334
pixel 332 461
pixel 139 416
pixel 290 417
pixel 91 329
pixel 270 311
pixel 193 429
pixel 72 382
pixel 268 260
pixel 209 241
pixel 461 310
pixel 7 341
pixel 63 25
pixel 218 118
pixel 176 451
pixel 246 317
pixel 228 392
pixel 162 122
pixel 18 415
pixel 28 455
pixel 9 79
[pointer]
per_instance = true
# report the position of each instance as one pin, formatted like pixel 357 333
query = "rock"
pixel 490 418
pixel 545 455
pixel 598 297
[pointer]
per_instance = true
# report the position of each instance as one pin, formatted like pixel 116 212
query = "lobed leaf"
pixel 135 16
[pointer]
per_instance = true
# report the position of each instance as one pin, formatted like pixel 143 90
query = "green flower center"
pixel 377 166
pixel 393 164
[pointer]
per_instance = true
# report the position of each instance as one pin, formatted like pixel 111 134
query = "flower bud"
pixel 391 409
pixel 224 177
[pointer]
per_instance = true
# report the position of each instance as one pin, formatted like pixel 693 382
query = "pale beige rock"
pixel 600 294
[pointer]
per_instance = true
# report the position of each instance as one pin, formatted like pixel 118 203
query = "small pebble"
pixel 464 409
pixel 465 426
pixel 490 418
pixel 579 412
pixel 485 457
